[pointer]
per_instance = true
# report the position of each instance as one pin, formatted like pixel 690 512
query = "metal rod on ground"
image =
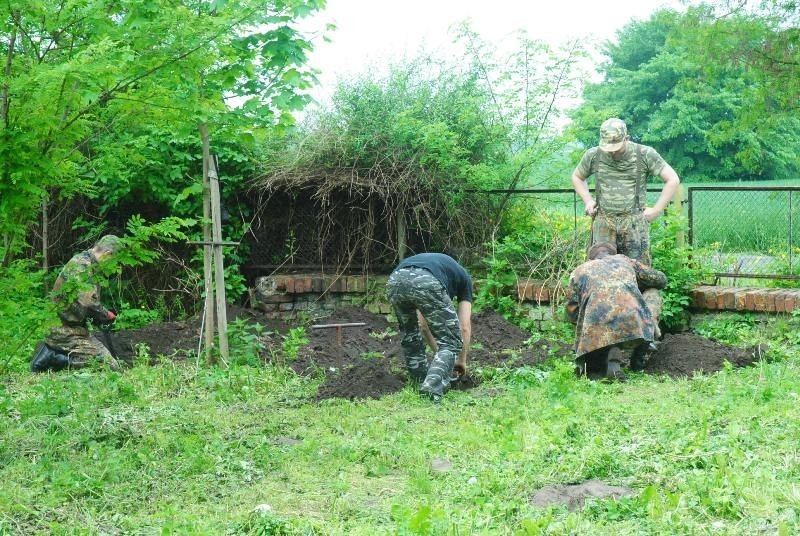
pixel 338 328
pixel 219 269
pixel 207 250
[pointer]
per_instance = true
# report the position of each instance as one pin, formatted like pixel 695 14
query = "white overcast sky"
pixel 371 32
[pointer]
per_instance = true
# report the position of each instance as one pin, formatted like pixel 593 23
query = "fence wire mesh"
pixel 746 230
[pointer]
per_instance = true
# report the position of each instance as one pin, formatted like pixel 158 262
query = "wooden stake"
pixel 401 233
pixel 677 199
pixel 219 268
pixel 208 331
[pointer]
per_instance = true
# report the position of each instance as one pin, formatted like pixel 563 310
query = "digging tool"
pixel 105 329
pixel 339 328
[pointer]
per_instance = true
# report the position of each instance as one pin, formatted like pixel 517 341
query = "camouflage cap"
pixel 612 134
pixel 110 243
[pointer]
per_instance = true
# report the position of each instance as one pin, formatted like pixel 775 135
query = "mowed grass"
pixel 181 450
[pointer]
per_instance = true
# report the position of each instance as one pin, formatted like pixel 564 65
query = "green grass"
pixel 176 450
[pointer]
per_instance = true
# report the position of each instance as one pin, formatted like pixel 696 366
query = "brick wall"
pixel 317 295
pixel 711 297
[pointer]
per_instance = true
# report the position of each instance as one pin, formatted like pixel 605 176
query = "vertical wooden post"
pixel 207 250
pixel 677 199
pixel 45 232
pixel 400 217
pixel 219 269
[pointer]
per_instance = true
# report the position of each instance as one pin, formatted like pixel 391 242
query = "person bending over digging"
pixel 421 289
pixel 77 295
pixel 606 303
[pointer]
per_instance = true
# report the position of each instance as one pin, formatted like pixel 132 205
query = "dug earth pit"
pixel 370 364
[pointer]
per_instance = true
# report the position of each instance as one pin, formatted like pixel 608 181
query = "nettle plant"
pixel 676 262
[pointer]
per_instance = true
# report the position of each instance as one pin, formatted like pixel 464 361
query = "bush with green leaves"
pixel 675 260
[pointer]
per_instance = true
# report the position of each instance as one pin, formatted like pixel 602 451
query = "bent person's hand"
pixel 460 368
pixel 591 208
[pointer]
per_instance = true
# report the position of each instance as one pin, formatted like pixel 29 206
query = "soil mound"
pixel 683 354
pixel 179 340
pixel 369 362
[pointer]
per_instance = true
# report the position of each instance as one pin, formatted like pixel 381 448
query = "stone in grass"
pixel 286 441
pixel 441 465
pixel 574 495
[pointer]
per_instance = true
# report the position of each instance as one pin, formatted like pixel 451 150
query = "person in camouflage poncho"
pixel 421 289
pixel 77 296
pixel 606 303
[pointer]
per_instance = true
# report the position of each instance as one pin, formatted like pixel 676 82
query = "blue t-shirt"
pixel 451 275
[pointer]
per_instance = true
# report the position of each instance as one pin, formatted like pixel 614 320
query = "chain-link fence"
pixel 746 231
pixel 737 231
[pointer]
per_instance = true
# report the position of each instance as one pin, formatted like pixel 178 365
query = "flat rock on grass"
pixel 573 496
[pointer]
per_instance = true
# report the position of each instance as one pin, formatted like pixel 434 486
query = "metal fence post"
pixel 690 215
pixel 790 233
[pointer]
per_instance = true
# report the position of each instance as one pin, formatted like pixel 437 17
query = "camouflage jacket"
pixel 605 300
pixel 621 184
pixel 76 292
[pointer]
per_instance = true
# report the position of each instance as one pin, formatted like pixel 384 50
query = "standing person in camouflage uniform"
pixel 421 289
pixel 620 214
pixel 77 295
pixel 606 303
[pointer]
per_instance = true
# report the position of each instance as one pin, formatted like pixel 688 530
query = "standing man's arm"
pixel 582 189
pixel 465 322
pixel 671 182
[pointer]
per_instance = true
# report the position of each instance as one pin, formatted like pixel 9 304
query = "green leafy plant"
pixel 675 260
pixel 295 339
pixel 246 342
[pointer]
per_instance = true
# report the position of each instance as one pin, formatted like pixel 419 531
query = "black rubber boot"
pixel 45 358
pixel 614 372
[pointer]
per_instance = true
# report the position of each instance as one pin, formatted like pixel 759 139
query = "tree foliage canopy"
pixel 91 90
pixel 688 92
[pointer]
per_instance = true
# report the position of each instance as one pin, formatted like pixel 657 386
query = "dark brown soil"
pixel 369 363
pixel 179 340
pixel 684 354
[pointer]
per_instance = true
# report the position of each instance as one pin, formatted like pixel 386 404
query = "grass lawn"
pixel 179 450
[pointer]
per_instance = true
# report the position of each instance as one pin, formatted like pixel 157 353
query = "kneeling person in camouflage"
pixel 77 295
pixel 421 289
pixel 606 303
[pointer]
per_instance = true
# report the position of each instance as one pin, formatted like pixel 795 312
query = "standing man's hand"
pixel 591 208
pixel 651 213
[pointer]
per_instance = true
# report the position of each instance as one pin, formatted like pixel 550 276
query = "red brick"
pixel 729 301
pixel 772 299
pixel 760 300
pixel 740 296
pixel 289 285
pixel 791 302
pixel 750 300
pixel 780 301
pixel 699 296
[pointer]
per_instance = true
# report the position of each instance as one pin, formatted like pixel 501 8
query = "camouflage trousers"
pixel 416 289
pixel 630 233
pixel 81 347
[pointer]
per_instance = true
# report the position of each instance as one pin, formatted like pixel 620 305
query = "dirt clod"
pixel 574 495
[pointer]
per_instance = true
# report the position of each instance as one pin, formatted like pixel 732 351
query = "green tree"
pixel 82 79
pixel 694 116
